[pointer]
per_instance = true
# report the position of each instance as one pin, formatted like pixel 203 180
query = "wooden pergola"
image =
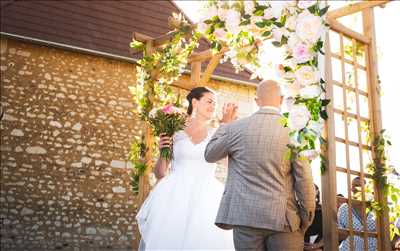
pixel 329 187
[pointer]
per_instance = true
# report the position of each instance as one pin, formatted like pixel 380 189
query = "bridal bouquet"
pixel 167 120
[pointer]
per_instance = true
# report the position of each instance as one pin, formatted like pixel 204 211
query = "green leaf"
pixel 247 16
pixel 313 9
pixel 266 33
pixel 208 21
pixel 283 20
pixel 287 68
pixel 324 114
pixel 245 22
pixel 288 57
pixel 325 102
pixel 276 44
pixel 323 11
pixel 278 24
pixel 284 40
pixel 259 12
pixel 261 24
pixel 136 45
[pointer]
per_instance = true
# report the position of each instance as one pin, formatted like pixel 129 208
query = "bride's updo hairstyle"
pixel 196 93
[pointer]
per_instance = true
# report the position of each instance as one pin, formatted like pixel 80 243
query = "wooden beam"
pixel 328 178
pixel 338 27
pixel 211 67
pixel 375 109
pixel 353 8
pixel 195 73
pixel 205 55
pixel 180 83
pixel 157 42
pixel 141 37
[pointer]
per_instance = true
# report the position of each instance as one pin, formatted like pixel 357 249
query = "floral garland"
pixel 387 180
pixel 296 26
pixel 155 74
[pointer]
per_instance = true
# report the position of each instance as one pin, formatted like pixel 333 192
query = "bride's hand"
pixel 229 112
pixel 165 141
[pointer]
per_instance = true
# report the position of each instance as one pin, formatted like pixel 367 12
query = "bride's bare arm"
pixel 162 165
pixel 161 168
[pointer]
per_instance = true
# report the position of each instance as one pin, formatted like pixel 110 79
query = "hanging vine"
pixel 387 180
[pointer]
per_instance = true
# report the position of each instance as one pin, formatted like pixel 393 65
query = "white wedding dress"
pixel 180 211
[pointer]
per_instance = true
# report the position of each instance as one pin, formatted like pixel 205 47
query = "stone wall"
pixel 65 137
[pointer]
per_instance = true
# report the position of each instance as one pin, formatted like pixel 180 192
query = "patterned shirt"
pixel 343 222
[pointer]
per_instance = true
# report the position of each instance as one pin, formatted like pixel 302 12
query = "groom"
pixel 268 201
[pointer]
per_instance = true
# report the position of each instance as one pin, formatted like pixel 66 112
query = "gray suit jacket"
pixel 263 189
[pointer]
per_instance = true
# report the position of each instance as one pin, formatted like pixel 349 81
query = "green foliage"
pixel 136 157
pixel 386 179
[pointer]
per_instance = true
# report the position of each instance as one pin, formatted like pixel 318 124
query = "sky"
pixel 388 41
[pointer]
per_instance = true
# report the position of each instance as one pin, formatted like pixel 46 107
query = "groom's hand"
pixel 229 112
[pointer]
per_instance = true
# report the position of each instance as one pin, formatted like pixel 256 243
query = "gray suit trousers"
pixel 257 239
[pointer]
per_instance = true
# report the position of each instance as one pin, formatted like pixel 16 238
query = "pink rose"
pixel 301 53
pixel 168 109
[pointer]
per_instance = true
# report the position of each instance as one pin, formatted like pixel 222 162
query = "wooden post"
pixel 214 61
pixel 144 185
pixel 329 212
pixel 195 73
pixel 374 87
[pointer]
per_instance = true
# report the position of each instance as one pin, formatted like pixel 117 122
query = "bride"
pixel 180 211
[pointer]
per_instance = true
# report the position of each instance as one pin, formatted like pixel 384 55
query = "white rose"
pixel 306 75
pixel 309 27
pixel 306 4
pixel 220 33
pixel 202 27
pixel 211 11
pixel 232 21
pixel 309 154
pixel 268 13
pixel 152 113
pixel 249 7
pixel 277 8
pixel 222 13
pixel 293 89
pixel 277 34
pixel 287 103
pixel 316 126
pixel 299 115
pixel 293 40
pixel 310 91
pixel 291 22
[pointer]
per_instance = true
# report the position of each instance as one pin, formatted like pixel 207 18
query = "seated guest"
pixel 356 214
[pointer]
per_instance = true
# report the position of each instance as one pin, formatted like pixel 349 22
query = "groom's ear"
pixel 256 100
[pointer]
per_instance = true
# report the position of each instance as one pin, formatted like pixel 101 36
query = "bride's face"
pixel 205 107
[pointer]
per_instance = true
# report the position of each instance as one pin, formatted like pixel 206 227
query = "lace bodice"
pixel 188 157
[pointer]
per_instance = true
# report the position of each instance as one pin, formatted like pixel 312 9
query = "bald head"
pixel 268 94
